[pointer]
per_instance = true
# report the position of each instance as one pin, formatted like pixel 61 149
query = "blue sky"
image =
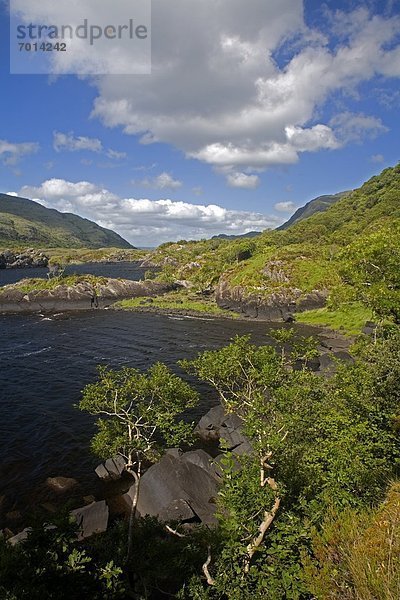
pixel 245 117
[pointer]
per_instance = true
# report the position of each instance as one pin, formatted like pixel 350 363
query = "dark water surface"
pixel 124 270
pixel 46 361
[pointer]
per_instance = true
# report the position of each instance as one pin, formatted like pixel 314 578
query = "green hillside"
pixel 351 251
pixel 24 221
pixel 319 204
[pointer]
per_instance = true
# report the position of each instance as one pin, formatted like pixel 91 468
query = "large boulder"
pixel 178 488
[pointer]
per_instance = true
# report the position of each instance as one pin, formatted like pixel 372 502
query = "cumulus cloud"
pixel 161 182
pixel 285 206
pixel 142 221
pixel 242 109
pixel 11 153
pixel 218 93
pixel 115 155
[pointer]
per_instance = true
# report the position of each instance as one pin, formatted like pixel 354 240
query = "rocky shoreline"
pixel 278 306
pixel 79 296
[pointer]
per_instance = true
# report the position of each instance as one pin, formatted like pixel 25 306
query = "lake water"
pixel 124 270
pixel 46 361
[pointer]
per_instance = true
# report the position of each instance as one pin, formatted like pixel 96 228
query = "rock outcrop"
pixel 279 305
pixel 81 295
pixel 216 425
pixel 30 258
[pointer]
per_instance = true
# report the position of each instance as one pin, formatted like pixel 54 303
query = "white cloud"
pixel 67 141
pixel 11 152
pixel 161 182
pixel 241 109
pixel 217 93
pixel 285 206
pixel 351 127
pixel 142 221
pixel 241 180
pixel 71 143
pixel 312 139
pixel 115 155
pixel 377 158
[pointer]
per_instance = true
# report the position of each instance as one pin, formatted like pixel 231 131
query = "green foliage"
pixel 333 251
pixel 329 442
pixel 138 411
pixel 33 284
pixel 370 265
pixel 176 301
pixel 50 564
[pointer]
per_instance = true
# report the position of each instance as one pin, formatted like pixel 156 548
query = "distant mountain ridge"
pixel 24 221
pixel 319 204
pixel 224 236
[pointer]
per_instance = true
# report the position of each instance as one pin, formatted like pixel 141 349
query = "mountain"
pixel 375 204
pixel 224 236
pixel 24 221
pixel 319 204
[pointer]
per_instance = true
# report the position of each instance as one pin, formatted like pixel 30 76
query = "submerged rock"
pixel 61 484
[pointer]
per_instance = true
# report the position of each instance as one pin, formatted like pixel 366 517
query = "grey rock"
pixel 91 519
pixel 209 425
pixel 177 510
pixel 232 437
pixel 215 425
pixel 173 479
pixel 115 467
pixel 201 459
pixel 175 452
pixel 243 448
pixel 20 537
pixel 102 472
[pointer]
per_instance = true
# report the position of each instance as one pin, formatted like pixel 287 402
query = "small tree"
pixel 138 414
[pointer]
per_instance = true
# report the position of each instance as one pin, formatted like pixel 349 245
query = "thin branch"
pixel 175 532
pixel 206 572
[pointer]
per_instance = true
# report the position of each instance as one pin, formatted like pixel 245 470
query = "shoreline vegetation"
pixel 301 499
pixel 348 320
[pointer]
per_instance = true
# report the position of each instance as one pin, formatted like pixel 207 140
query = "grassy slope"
pixel 305 256
pixel 23 221
pixel 176 301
